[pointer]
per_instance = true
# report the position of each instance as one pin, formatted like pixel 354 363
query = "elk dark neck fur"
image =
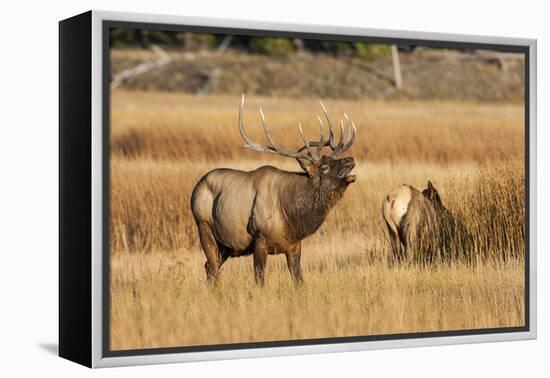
pixel 306 203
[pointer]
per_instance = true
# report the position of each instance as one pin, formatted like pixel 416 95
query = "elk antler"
pixel 304 152
pixel 342 146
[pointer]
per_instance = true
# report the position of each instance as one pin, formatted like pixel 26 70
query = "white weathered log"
pixel 141 68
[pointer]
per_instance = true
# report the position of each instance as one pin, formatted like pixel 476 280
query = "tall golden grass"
pixel 161 144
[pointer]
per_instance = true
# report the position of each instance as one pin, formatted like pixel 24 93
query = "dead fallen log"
pixel 164 59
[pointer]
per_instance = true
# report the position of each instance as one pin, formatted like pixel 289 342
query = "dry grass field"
pixel 161 144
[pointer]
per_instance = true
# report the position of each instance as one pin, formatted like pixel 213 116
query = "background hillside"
pixel 214 64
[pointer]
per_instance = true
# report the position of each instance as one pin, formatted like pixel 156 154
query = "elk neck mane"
pixel 306 203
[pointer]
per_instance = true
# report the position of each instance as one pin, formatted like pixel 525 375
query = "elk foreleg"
pixel 293 262
pixel 260 259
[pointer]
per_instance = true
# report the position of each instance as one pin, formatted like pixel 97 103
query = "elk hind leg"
pixel 211 250
pixel 260 260
pixel 395 243
pixel 409 234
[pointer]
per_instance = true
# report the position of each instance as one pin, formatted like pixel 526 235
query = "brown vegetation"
pixel 160 148
pixel 427 74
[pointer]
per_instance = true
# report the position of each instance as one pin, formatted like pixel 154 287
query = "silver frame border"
pixel 97 183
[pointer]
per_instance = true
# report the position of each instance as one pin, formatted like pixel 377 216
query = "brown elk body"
pixel 420 228
pixel 269 210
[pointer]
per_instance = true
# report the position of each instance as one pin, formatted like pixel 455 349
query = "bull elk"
pixel 420 227
pixel 268 210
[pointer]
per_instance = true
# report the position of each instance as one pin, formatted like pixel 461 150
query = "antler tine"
pixel 347 121
pixel 351 132
pixel 348 144
pixel 306 143
pixel 338 149
pixel 345 143
pixel 342 134
pixel 331 129
pixel 323 142
pixel 266 131
pixel 249 143
pixel 322 129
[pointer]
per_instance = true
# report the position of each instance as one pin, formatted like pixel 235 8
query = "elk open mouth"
pixel 344 172
pixel 349 179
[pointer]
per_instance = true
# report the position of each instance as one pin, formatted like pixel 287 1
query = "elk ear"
pixel 431 189
pixel 308 166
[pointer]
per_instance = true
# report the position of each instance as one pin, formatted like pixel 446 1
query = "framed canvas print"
pixel 235 188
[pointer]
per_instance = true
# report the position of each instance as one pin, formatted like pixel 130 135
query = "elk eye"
pixel 324 168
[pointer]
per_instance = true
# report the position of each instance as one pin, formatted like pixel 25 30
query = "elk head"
pixel 433 196
pixel 328 171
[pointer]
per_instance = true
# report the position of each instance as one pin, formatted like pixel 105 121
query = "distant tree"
pixel 272 46
pixel 335 48
pixel 370 52
pixel 142 37
pixel 276 47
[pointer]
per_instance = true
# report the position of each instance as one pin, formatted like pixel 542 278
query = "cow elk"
pixel 268 210
pixel 420 228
